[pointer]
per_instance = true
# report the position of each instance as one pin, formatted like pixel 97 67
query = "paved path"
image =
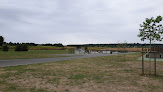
pixel 15 62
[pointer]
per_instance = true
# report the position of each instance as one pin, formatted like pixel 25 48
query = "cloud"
pixel 75 21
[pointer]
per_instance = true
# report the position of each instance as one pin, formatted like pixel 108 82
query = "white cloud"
pixel 75 21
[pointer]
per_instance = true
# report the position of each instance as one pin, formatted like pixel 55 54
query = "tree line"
pixel 22 46
pixel 115 45
pixel 34 44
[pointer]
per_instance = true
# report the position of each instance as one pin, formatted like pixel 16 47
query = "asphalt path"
pixel 16 62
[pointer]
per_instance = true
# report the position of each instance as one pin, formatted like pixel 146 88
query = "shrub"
pixel 24 47
pixel 63 48
pixel 18 48
pixel 21 48
pixel 1 40
pixel 5 48
pixel 86 49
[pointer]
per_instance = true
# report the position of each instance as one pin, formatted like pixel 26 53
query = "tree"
pixel 18 48
pixel 151 30
pixel 1 40
pixel 86 50
pixel 23 47
pixel 124 46
pixel 5 48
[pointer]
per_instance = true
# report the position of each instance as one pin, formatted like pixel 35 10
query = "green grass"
pixel 31 54
pixel 102 74
pixel 43 48
pixel 77 76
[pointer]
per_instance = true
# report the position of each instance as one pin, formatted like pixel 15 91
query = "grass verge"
pixel 31 54
pixel 100 74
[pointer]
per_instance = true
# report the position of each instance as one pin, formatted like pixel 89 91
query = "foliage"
pixel 86 49
pixel 21 48
pixel 24 47
pixel 18 48
pixel 5 48
pixel 1 40
pixel 151 29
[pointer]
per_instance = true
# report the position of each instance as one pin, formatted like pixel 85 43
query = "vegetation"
pixel 151 29
pixel 47 48
pixel 115 45
pixel 86 49
pixel 5 48
pixel 34 44
pixel 1 40
pixel 23 47
pixel 102 74
pixel 130 45
pixel 124 46
pixel 31 54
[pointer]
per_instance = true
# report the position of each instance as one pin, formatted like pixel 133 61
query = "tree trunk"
pixel 150 54
pixel 155 64
pixel 142 61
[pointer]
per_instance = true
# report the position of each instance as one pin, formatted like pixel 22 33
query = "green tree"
pixel 22 47
pixel 151 30
pixel 124 46
pixel 86 49
pixel 1 40
pixel 5 48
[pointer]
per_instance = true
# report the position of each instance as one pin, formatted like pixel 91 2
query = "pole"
pixel 150 54
pixel 155 64
pixel 142 62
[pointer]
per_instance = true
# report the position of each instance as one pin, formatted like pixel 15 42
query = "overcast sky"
pixel 75 21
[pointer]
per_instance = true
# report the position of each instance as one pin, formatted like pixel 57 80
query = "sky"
pixel 75 21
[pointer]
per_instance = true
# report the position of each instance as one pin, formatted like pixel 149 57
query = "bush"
pixel 1 41
pixel 24 48
pixel 18 48
pixel 5 48
pixel 21 48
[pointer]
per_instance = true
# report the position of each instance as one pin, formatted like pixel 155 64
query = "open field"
pixel 100 74
pixel 44 48
pixel 71 48
pixel 108 48
pixel 31 54
pixel 45 51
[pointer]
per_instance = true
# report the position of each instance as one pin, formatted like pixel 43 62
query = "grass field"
pixel 72 48
pixel 31 54
pixel 100 74
pixel 108 48
pixel 45 51
pixel 43 48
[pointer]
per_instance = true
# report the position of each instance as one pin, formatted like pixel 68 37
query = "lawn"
pixel 44 48
pixel 100 74
pixel 31 54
